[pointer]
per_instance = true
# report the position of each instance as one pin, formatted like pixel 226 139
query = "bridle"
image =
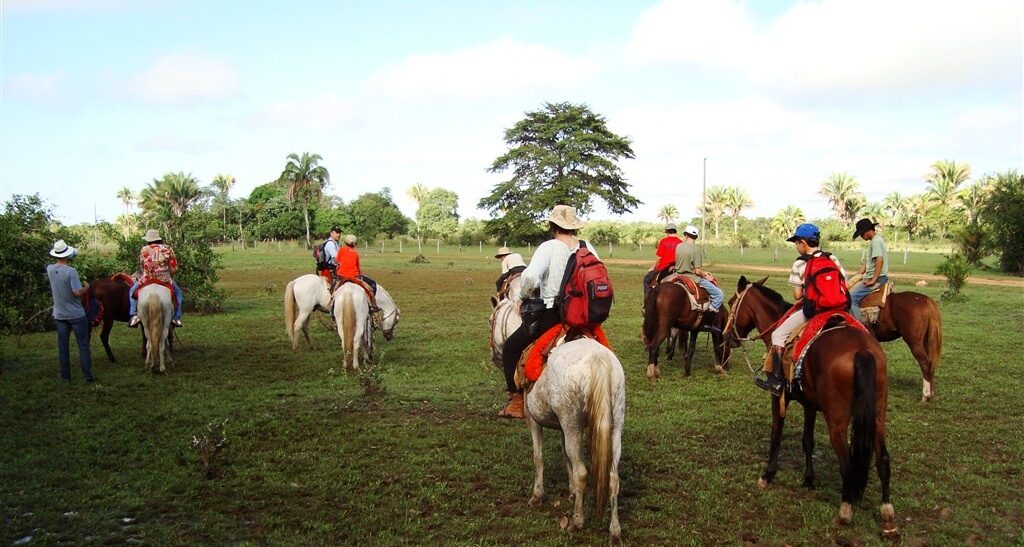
pixel 730 328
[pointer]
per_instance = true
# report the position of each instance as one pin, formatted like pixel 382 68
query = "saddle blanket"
pixel 700 300
pixel 816 324
pixel 536 354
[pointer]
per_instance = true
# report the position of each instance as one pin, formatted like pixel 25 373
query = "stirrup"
pixel 133 322
pixel 177 323
pixel 770 383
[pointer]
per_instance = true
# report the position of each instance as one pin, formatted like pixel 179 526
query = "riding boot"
pixel 514 408
pixel 774 381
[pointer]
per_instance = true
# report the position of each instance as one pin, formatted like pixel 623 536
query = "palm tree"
pixel 127 223
pixel 736 199
pixel 875 211
pixel 714 206
pixel 843 193
pixel 945 179
pixel 973 198
pixel 222 184
pixel 306 180
pixel 126 196
pixel 170 197
pixel 668 213
pixel 784 222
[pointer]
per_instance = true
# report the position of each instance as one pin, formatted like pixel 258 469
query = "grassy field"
pixel 309 459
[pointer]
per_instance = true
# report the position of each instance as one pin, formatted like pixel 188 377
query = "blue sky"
pixel 105 94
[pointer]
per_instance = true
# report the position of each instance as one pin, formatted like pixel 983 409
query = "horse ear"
pixel 742 283
pixel 761 281
pixel 494 302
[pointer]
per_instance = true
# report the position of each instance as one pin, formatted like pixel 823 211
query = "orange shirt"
pixel 348 262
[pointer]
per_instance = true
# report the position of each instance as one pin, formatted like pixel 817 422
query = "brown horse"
pixel 667 307
pixel 914 317
pixel 844 376
pixel 111 293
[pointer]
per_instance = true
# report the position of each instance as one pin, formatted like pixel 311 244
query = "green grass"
pixel 309 459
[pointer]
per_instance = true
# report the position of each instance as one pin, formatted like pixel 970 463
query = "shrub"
pixel 972 242
pixel 1004 212
pixel 956 269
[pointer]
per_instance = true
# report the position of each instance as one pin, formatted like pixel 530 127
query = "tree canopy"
pixel 562 153
pixel 438 214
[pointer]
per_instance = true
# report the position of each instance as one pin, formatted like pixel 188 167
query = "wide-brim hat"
pixel 565 217
pixel 670 226
pixel 350 239
pixel 515 259
pixel 62 250
pixel 502 252
pixel 864 225
pixel 151 236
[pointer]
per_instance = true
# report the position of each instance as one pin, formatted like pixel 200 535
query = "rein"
pixel 730 326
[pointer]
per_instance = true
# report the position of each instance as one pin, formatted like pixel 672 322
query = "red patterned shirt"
pixel 158 262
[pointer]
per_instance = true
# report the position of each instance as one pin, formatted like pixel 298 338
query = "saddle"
pixel 503 292
pixel 800 342
pixel 872 304
pixel 535 356
pixel 700 300
pixel 341 280
pixel 151 281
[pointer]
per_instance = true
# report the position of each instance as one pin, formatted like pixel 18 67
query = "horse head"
pixel 743 310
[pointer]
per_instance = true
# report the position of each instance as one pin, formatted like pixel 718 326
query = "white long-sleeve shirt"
pixel 547 268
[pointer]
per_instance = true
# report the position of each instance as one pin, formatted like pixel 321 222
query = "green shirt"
pixel 877 248
pixel 688 259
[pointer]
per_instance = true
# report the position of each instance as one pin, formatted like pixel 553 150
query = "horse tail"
pixel 348 320
pixel 863 410
pixel 154 328
pixel 599 427
pixel 933 338
pixel 289 311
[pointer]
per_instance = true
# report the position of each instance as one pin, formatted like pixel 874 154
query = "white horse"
pixel 155 313
pixel 582 387
pixel 352 313
pixel 311 292
pixel 504 321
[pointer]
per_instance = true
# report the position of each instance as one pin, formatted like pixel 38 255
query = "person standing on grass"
pixel 665 257
pixel 875 270
pixel 68 313
pixel 546 270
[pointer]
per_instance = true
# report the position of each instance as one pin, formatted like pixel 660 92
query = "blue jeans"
pixel 133 303
pixel 81 328
pixel 716 294
pixel 860 291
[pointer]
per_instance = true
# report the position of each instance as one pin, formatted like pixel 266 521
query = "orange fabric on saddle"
pixel 537 354
pixel 814 326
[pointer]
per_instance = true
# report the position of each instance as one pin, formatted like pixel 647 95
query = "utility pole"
pixel 704 204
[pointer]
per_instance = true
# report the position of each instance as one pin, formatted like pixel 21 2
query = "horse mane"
pixel 774 297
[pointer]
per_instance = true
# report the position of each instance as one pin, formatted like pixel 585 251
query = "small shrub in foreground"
pixel 956 269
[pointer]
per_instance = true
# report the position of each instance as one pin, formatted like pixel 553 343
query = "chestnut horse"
pixel 914 317
pixel 110 296
pixel 667 307
pixel 844 376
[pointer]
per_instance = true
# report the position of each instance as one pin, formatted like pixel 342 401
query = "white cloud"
pixel 500 68
pixel 819 47
pixel 185 78
pixel 46 88
pixel 320 112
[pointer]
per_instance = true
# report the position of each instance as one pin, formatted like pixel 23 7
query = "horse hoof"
pixel 615 539
pixel 763 484
pixel 536 501
pixel 652 373
pixel 845 514
pixel 891 533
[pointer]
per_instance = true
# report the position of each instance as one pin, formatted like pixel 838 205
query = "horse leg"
pixel 810 416
pixel 301 323
pixel 108 323
pixel 837 436
pixel 882 465
pixel 778 420
pixel 578 478
pixel 691 348
pixel 614 529
pixel 653 370
pixel 538 461
pixel 670 349
pixel 923 361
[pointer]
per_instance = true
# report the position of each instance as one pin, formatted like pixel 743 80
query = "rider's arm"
pixel 534 273
pixel 878 269
pixel 172 261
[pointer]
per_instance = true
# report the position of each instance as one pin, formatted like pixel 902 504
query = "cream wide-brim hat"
pixel 151 236
pixel 565 217
pixel 350 239
pixel 503 252
pixel 62 250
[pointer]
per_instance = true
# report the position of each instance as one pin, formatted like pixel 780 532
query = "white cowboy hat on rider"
pixel 62 250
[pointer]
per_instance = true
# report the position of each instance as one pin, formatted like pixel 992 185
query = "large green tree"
pixel 1004 213
pixel 305 179
pixel 168 198
pixel 376 213
pixel 562 153
pixel 438 214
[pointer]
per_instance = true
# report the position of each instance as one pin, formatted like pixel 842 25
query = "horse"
pixel 582 387
pixel 311 292
pixel 504 321
pixel 111 297
pixel 916 318
pixel 667 307
pixel 155 313
pixel 355 327
pixel 844 376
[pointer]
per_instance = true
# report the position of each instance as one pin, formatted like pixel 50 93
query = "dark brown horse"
pixel 111 293
pixel 914 317
pixel 667 307
pixel 844 376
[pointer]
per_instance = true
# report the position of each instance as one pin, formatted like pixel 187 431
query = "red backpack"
pixel 824 285
pixel 586 297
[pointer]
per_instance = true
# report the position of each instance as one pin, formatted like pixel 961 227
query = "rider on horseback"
pixel 330 256
pixel 666 257
pixel 546 270
pixel 875 270
pixel 511 265
pixel 349 270
pixel 807 240
pixel 689 260
pixel 158 265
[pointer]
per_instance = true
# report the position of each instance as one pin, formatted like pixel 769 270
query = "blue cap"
pixel 805 231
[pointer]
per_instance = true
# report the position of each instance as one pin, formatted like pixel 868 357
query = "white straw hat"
pixel 62 250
